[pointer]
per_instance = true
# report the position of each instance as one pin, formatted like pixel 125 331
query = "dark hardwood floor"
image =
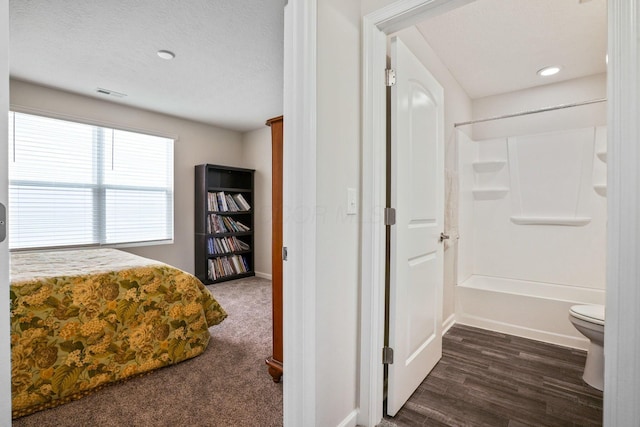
pixel 486 378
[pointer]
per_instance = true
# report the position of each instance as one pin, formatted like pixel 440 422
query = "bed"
pixel 81 319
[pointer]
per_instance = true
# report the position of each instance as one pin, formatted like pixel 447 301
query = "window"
pixel 73 184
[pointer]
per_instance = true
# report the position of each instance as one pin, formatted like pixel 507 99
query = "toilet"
pixel 589 321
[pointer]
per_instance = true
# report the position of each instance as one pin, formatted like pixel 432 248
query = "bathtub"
pixel 532 310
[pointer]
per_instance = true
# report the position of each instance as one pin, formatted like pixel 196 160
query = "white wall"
pixel 457 105
pixel 256 154
pixel 338 167
pixel 337 248
pixel 582 89
pixel 196 143
pixel 622 343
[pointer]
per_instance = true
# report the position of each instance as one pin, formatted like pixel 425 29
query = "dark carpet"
pixel 228 385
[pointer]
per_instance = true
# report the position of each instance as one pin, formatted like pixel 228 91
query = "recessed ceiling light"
pixel 548 71
pixel 166 54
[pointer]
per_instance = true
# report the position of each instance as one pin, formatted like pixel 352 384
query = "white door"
pixel 417 194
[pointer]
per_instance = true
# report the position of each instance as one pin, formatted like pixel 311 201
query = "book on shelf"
pixel 222 245
pixel 212 202
pixel 223 202
pixel 227 266
pixel 242 202
pixel 233 206
pixel 223 224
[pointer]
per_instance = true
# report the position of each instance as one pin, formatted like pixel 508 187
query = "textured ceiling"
pixel 496 46
pixel 229 54
pixel 228 65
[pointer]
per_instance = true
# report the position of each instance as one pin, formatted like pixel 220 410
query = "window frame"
pixel 99 188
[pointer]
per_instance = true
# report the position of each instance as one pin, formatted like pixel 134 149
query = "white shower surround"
pixel 530 249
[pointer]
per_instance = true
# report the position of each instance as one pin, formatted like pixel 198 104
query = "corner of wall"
pixel 256 154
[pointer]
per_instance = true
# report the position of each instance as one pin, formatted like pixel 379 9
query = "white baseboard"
pixel 350 420
pixel 524 332
pixel 447 324
pixel 263 275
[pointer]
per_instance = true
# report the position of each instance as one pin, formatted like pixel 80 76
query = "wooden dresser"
pixel 275 361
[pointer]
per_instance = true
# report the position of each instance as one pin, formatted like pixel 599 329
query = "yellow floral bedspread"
pixel 73 333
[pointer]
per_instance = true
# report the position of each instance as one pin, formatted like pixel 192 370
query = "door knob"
pixel 443 237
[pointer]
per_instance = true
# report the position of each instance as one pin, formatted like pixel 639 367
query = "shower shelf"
pixel 488 165
pixel 548 220
pixel 489 193
pixel 602 155
pixel 601 189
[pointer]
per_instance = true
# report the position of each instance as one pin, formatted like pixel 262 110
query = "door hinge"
pixel 387 355
pixel 285 253
pixel 389 77
pixel 389 216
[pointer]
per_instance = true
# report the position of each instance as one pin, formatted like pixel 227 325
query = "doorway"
pixel 494 245
pixel 376 26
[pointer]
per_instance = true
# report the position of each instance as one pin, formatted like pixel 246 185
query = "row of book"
pixel 226 244
pixel 223 202
pixel 227 266
pixel 224 224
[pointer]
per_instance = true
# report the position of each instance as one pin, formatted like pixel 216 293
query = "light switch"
pixel 352 201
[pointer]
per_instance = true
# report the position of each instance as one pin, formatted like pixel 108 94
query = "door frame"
pixel 623 232
pixel 376 26
pixel 299 207
pixel 5 346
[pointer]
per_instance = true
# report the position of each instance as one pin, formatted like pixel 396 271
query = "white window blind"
pixel 73 184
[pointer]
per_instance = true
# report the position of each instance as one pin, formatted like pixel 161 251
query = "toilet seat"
pixel 589 313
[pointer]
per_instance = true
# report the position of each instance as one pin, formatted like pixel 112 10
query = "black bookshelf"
pixel 224 227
